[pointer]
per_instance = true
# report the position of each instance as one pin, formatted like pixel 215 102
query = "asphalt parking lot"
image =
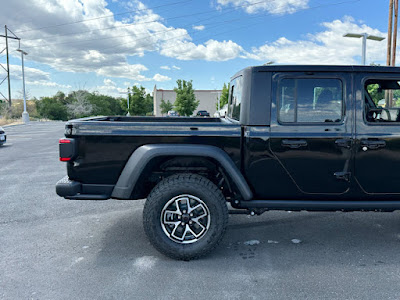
pixel 52 248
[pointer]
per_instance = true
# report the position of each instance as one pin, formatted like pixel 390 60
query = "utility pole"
pixel 396 11
pixel 392 44
pixel 14 37
pixel 389 43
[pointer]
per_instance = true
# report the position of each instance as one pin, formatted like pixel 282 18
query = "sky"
pixel 106 46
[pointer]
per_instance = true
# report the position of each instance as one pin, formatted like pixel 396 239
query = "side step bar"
pixel 317 205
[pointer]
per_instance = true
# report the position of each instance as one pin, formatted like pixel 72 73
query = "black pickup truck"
pixel 318 138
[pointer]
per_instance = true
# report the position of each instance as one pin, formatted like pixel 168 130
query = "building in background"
pixel 207 98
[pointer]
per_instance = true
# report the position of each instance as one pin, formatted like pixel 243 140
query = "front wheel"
pixel 185 216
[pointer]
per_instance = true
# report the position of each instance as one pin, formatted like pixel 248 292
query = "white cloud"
pixel 124 71
pixel 110 90
pixel 30 73
pixel 45 83
pixel 212 50
pixel 273 6
pixel 34 77
pixel 199 27
pixel 160 78
pixel 101 45
pixel 325 47
pixel 169 68
pixel 109 82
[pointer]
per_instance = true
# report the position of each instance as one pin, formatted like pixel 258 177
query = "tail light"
pixel 67 149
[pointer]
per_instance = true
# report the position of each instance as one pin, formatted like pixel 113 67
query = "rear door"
pixel 377 158
pixel 311 130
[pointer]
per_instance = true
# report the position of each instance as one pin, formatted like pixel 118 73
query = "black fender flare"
pixel 144 154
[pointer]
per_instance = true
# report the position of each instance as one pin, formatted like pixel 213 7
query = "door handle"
pixel 342 175
pixel 373 144
pixel 345 143
pixel 294 144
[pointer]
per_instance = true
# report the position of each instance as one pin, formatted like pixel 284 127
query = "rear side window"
pixel 235 98
pixel 314 100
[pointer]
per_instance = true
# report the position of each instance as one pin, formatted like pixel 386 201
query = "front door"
pixel 377 158
pixel 311 132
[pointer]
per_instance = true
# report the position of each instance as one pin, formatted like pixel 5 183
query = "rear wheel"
pixel 185 216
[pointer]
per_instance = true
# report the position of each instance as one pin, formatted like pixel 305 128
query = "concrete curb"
pixel 31 122
pixel 12 125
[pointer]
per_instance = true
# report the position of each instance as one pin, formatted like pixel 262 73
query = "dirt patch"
pixel 10 121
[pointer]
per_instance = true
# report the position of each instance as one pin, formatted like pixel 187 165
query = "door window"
pixel 310 100
pixel 382 101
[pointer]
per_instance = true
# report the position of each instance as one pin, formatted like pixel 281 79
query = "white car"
pixel 172 113
pixel 222 112
pixel 3 136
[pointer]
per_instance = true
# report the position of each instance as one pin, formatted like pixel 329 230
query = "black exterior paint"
pixel 144 155
pixel 330 166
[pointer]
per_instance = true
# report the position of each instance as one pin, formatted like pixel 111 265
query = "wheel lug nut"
pixel 190 222
pixel 183 224
pixel 191 215
pixel 179 217
pixel 184 211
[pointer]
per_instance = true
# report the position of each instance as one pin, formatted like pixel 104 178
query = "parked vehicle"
pixel 294 138
pixel 3 136
pixel 172 113
pixel 203 113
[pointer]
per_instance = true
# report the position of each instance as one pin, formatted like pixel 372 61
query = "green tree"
pixel 223 99
pixel 52 108
pixel 166 106
pixel 78 104
pixel 185 103
pixel 375 93
pixel 149 105
pixel 140 103
pixel 105 105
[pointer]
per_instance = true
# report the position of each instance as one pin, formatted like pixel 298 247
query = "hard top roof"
pixel 321 68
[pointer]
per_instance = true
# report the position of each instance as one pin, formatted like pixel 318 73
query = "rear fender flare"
pixel 144 154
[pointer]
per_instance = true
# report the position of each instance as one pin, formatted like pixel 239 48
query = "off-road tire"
pixel 181 184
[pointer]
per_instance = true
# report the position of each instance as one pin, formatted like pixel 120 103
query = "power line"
pixel 138 39
pixel 127 25
pixel 120 26
pixel 246 26
pixel 102 17
pixel 228 31
pixel 147 22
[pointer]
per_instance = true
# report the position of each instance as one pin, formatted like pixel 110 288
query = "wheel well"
pixel 161 167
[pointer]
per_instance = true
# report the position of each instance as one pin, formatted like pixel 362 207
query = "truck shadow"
pixel 291 240
pixel 124 240
pixel 273 240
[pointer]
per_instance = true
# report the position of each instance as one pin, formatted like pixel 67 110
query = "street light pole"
pixel 25 115
pixel 365 37
pixel 364 48
pixel 127 99
pixel 128 114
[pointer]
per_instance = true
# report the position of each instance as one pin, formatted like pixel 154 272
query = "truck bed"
pixel 104 144
pixel 155 119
